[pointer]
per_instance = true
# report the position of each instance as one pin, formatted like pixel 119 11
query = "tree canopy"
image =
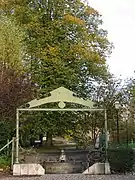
pixel 53 43
pixel 15 86
pixel 65 41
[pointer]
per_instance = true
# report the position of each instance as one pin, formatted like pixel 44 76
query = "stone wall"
pixel 71 156
pixel 63 168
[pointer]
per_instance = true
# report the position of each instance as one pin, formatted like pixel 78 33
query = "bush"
pixel 5 162
pixel 121 159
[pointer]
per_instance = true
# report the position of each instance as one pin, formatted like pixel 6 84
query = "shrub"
pixel 5 162
pixel 121 159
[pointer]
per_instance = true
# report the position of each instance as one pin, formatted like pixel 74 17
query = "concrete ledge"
pixel 28 169
pixel 98 168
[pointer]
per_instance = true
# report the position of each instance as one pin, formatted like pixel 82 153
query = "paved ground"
pixel 72 177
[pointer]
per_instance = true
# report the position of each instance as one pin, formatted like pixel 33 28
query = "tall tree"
pixel 65 41
pixel 66 45
pixel 15 87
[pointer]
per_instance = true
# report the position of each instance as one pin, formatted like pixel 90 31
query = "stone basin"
pixel 62 167
pixel 76 161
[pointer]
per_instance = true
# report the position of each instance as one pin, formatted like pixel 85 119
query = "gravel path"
pixel 72 177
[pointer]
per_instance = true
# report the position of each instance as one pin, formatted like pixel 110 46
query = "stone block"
pixel 40 170
pixel 32 169
pixel 107 168
pixel 16 170
pixel 28 169
pixel 24 169
pixel 98 169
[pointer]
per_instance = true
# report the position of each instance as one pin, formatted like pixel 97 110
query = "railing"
pixel 13 145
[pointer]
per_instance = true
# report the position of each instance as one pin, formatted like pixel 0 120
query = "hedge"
pixel 121 159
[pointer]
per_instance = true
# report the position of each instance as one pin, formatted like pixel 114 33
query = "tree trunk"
pixel 49 139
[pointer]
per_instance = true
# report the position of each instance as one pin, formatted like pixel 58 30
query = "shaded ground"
pixel 71 177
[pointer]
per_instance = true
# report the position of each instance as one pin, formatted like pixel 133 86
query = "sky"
pixel 119 20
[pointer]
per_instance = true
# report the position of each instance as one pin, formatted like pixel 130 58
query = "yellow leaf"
pixel 72 19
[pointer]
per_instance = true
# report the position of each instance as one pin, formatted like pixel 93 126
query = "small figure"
pixel 62 156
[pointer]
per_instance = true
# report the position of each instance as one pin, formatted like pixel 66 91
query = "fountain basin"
pixel 62 168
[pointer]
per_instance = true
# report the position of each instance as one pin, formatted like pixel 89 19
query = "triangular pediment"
pixel 62 90
pixel 61 95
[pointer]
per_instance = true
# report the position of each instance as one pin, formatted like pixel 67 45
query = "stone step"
pixel 98 169
pixel 28 169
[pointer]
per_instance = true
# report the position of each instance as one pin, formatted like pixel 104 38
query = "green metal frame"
pixel 60 95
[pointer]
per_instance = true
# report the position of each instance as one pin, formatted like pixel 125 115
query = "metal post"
pixel 107 166
pixel 118 136
pixel 12 158
pixel 17 136
pixel 127 131
pixel 106 139
pixel 8 147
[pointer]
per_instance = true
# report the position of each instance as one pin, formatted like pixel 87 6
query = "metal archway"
pixel 62 96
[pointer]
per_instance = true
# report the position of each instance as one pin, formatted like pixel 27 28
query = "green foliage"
pixel 8 127
pixel 106 93
pixel 121 159
pixel 11 45
pixel 66 46
pixel 15 84
pixel 12 75
pixel 64 42
pixel 15 87
pixel 5 162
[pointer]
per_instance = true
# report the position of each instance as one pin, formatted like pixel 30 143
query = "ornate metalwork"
pixel 61 105
pixel 61 95
pixel 96 155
